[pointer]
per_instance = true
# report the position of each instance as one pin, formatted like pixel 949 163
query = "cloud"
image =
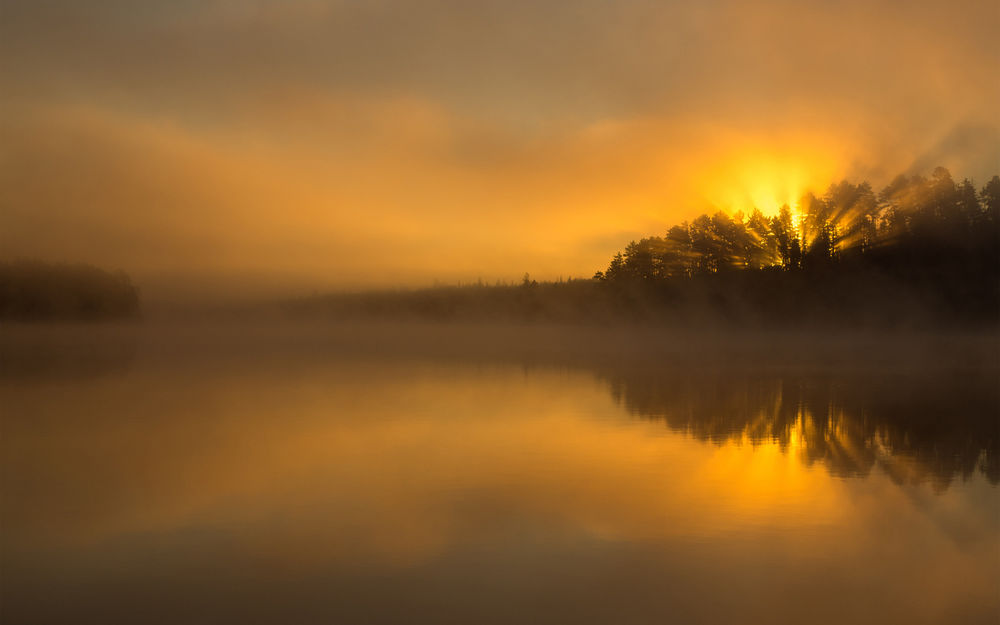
pixel 392 142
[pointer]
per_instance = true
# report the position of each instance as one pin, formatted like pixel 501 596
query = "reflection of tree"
pixel 63 354
pixel 913 425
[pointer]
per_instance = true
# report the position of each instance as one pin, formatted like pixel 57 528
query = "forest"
pixel 38 291
pixel 912 225
pixel 924 252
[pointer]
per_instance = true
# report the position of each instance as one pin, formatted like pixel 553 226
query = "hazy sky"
pixel 350 143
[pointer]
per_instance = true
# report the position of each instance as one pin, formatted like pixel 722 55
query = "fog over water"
pixel 324 311
pixel 254 472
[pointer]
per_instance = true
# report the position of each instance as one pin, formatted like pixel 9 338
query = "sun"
pixel 766 178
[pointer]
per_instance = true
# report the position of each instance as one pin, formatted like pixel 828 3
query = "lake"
pixel 227 473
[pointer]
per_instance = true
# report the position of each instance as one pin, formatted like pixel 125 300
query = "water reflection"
pixel 315 479
pixel 914 424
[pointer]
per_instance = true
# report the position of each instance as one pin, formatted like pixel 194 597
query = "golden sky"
pixel 318 144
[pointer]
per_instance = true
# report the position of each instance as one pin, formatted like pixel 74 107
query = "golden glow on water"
pixel 558 448
pixel 399 467
pixel 532 451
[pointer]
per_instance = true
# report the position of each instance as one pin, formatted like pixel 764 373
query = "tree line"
pixel 37 291
pixel 913 222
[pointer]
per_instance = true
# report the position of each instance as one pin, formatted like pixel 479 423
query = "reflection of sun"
pixel 795 437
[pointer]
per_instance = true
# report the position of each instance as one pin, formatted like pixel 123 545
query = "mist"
pixel 270 147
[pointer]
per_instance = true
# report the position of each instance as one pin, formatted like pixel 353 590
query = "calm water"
pixel 359 476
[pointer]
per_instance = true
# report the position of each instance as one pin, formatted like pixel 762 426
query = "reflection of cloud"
pixel 355 447
pixel 262 464
pixel 450 453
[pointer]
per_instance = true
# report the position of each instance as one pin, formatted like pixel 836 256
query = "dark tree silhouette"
pixel 933 238
pixel 849 220
pixel 923 251
pixel 36 291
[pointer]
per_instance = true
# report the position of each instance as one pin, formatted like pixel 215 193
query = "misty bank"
pixel 37 291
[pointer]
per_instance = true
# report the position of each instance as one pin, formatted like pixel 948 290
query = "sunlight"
pixel 766 179
pixel 499 312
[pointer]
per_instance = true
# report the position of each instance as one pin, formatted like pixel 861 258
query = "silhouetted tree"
pixel 940 237
pixel 991 203
pixel 35 291
pixel 786 235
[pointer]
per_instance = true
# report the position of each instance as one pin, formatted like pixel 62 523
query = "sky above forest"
pixel 307 144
